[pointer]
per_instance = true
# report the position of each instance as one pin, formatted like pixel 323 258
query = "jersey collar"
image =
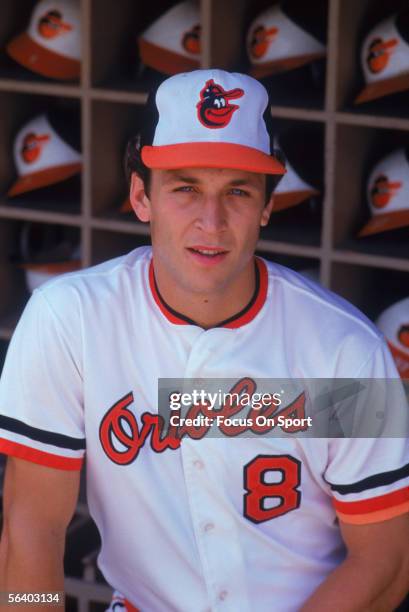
pixel 246 315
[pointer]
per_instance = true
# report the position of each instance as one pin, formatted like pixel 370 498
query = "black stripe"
pixel 223 323
pixel 40 435
pixel 249 305
pixel 378 480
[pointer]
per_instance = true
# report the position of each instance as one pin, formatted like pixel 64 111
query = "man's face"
pixel 204 225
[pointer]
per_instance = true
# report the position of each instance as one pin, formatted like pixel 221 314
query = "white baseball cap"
pixel 385 58
pixel 41 156
pixel 277 41
pixel 388 194
pixel 172 43
pixel 51 46
pixel 211 119
pixel 47 253
pixel 394 324
pixel 292 189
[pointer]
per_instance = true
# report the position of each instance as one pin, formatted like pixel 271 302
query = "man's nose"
pixel 211 214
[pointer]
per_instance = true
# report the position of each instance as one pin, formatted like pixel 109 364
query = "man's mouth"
pixel 207 251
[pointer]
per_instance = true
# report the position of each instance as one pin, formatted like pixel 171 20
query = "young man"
pixel 233 522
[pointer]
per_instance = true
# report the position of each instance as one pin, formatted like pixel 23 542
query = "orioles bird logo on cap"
pixel 191 40
pixel 379 53
pixel 214 110
pixel 403 335
pixel 52 25
pixel 383 191
pixel 32 146
pixel 261 39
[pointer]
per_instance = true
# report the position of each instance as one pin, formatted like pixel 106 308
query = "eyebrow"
pixel 171 177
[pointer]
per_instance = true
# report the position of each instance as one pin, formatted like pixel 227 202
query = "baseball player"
pixel 188 520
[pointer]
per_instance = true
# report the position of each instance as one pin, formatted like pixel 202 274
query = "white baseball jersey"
pixel 231 523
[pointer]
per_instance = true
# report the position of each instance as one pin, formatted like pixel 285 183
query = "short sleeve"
pixel 41 390
pixel 369 476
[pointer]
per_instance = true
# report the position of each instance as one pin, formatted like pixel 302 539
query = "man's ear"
pixel 265 215
pixel 139 200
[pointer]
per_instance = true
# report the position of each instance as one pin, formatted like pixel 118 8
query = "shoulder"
pixel 313 316
pixel 99 283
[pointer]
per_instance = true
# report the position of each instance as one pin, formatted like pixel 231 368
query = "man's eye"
pixel 238 192
pixel 185 188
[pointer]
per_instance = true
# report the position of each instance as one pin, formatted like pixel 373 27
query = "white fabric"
pixel 177 100
pixel 391 320
pixel 398 57
pixel 396 168
pixel 290 40
pixel 168 31
pixel 54 152
pixel 68 43
pixel 172 525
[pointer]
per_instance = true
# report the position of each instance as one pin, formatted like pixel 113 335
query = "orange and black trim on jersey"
pixel 35 455
pixel 246 315
pixel 374 509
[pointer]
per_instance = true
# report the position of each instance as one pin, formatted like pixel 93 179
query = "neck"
pixel 208 309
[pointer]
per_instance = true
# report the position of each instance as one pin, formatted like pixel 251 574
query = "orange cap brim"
pixel 292 198
pixel 210 155
pixel 383 88
pixel 164 60
pixel 387 221
pixel 401 360
pixel 282 65
pixel 43 178
pixel 33 56
pixel 55 267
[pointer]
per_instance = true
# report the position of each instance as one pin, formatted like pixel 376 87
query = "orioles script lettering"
pixel 122 437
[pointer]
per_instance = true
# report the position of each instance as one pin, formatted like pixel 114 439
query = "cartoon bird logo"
pixel 191 40
pixel 52 25
pixel 214 109
pixel 261 39
pixel 403 335
pixel 32 146
pixel 379 54
pixel 383 191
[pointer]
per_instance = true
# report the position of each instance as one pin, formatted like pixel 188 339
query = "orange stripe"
pixel 374 517
pixel 242 320
pixel 258 304
pixel 129 607
pixel 36 456
pixel 210 155
pixel 373 505
pixel 169 315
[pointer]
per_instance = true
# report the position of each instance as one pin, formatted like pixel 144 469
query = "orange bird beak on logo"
pixel 261 40
pixel 32 147
pixel 191 40
pixel 403 335
pixel 383 191
pixel 379 54
pixel 52 25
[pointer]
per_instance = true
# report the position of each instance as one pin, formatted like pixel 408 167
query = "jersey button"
pixel 198 464
pixel 223 595
pixel 208 527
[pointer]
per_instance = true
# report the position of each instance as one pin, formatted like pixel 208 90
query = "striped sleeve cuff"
pixel 373 510
pixel 34 455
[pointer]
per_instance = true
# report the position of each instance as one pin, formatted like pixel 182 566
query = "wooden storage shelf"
pixel 373 121
pixel 44 89
pixel 130 226
pixel 372 261
pixel 39 216
pixel 109 98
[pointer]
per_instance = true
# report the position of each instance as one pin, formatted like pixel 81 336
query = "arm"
pixel 375 574
pixel 38 505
